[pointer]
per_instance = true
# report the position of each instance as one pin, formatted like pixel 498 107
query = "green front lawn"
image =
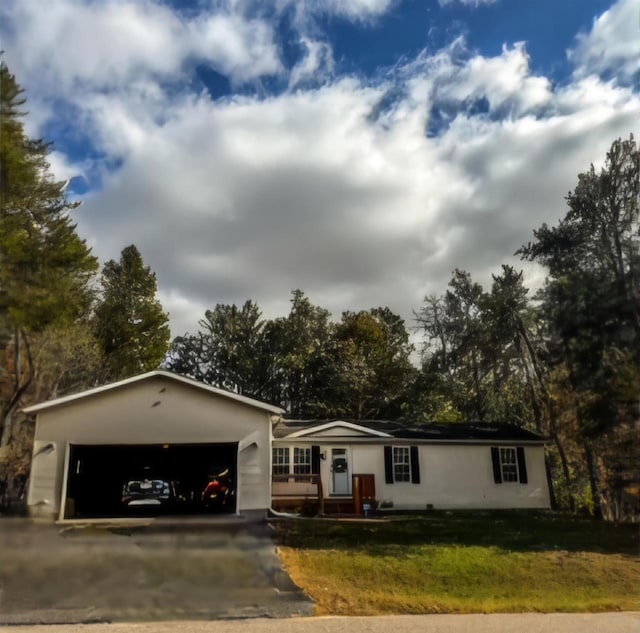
pixel 464 562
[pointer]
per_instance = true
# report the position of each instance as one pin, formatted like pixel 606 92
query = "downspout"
pixel 276 513
pixel 274 421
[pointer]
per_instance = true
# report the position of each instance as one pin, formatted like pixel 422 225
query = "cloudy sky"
pixel 356 149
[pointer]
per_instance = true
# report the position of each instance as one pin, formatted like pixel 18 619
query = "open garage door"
pixel 150 480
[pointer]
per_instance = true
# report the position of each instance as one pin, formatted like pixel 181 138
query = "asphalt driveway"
pixel 228 569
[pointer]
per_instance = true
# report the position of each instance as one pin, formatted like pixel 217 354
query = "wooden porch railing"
pixel 292 486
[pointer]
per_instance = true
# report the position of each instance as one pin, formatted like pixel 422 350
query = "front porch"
pixel 305 494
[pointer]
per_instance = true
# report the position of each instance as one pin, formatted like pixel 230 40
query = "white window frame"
pixel 301 461
pixel 281 460
pixel 401 462
pixel 298 460
pixel 509 467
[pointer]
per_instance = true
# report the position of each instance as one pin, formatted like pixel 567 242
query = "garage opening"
pixel 151 480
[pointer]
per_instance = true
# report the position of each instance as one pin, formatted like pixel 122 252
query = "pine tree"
pixel 130 323
pixel 45 267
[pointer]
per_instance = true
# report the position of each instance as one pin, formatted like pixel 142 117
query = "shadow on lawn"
pixel 509 530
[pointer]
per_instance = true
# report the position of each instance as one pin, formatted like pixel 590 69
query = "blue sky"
pixel 356 149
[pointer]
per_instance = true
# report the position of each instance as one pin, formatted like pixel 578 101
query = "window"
pixel 280 461
pixel 302 461
pixel 401 464
pixel 295 460
pixel 508 464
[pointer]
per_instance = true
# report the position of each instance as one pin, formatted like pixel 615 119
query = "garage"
pixel 150 445
pixel 151 480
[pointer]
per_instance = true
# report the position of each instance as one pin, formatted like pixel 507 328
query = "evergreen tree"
pixel 130 324
pixel 302 368
pixel 227 350
pixel 45 268
pixel 232 342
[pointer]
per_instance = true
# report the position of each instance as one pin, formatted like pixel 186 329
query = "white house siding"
pixel 456 476
pixel 452 476
pixel 157 410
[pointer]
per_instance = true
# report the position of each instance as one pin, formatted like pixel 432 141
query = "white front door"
pixel 340 471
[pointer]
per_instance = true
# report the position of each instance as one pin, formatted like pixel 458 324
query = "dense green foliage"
pixel 373 363
pixel 304 362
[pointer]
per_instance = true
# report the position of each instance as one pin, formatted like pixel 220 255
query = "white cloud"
pixel 241 48
pixel 332 186
pixel 612 47
pixel 354 10
pixel 64 169
pixel 307 190
pixel 469 3
pixel 110 43
pixel 359 9
pixel 316 66
pixel 504 81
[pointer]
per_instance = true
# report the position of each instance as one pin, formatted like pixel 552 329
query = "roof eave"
pixel 58 402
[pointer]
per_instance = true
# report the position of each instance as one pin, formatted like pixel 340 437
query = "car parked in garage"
pixel 147 493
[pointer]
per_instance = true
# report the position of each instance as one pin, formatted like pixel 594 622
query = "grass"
pixel 462 562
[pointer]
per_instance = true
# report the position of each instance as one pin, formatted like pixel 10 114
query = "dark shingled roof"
pixel 421 430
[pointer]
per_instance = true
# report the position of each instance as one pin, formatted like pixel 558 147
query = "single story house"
pixel 163 443
pixel 395 466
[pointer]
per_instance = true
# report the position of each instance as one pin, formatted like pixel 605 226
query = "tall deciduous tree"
pixel 373 361
pixel 130 323
pixel 480 353
pixel 457 344
pixel 45 268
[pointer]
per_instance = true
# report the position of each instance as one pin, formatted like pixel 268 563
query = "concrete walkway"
pixel 501 623
pixel 166 571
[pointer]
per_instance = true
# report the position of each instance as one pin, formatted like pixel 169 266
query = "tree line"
pixel 359 367
pixel 562 360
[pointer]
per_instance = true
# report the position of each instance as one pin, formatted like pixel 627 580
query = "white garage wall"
pixel 46 465
pixel 154 411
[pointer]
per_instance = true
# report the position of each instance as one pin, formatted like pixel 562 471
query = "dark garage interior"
pixel 151 480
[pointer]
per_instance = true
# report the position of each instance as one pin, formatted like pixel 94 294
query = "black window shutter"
pixel 495 458
pixel 388 464
pixel 415 466
pixel 522 466
pixel 315 460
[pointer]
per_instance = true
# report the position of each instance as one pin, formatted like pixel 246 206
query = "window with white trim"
pixel 509 463
pixel 280 460
pixel 401 464
pixel 301 461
